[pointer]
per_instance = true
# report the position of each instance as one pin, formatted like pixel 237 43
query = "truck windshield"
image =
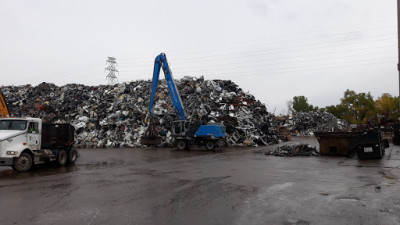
pixel 12 124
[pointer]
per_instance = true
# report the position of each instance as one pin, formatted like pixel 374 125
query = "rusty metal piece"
pixel 284 133
pixel 3 106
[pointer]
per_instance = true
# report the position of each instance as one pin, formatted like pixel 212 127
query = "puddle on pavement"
pixel 387 174
pixel 348 199
pixel 38 171
pixel 296 222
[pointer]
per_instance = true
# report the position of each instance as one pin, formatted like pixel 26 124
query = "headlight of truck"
pixel 10 152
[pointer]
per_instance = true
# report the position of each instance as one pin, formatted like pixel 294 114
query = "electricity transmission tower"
pixel 112 70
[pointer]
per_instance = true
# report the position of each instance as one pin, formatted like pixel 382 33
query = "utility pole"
pixel 398 38
pixel 112 70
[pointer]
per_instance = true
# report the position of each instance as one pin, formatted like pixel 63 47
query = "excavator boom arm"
pixel 161 62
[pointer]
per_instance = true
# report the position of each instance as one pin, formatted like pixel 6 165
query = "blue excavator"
pixel 184 132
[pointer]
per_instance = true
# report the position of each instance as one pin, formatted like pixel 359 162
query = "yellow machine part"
pixel 3 107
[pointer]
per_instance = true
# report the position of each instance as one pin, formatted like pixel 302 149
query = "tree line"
pixel 354 107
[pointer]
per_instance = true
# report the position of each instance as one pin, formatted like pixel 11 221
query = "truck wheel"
pixel 62 158
pixel 381 152
pixel 181 145
pixel 72 156
pixel 23 163
pixel 210 145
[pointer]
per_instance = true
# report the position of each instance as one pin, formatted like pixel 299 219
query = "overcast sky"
pixel 275 49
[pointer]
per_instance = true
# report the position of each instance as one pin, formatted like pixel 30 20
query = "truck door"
pixel 33 136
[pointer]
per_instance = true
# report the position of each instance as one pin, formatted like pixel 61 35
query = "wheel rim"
pixel 210 145
pixel 73 156
pixel 23 162
pixel 62 157
pixel 181 145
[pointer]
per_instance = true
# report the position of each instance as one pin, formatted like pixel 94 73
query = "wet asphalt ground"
pixel 230 186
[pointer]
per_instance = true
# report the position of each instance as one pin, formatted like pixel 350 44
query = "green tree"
pixel 337 110
pixel 300 104
pixel 387 106
pixel 354 107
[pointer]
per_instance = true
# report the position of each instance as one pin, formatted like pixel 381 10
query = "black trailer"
pixel 368 144
pixel 396 134
pixel 59 139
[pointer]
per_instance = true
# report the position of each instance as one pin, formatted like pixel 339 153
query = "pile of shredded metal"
pixel 306 123
pixel 115 115
pixel 295 150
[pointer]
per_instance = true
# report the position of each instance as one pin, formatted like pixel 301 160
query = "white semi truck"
pixel 25 142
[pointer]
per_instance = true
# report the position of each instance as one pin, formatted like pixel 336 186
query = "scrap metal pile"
pixel 306 123
pixel 115 115
pixel 294 150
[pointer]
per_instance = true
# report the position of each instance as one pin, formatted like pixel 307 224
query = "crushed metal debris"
pixel 306 123
pixel 115 115
pixel 294 150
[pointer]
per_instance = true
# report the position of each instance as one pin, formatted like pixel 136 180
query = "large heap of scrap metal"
pixel 295 150
pixel 379 121
pixel 115 115
pixel 305 123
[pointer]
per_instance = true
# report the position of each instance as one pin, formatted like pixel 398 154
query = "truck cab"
pixel 24 143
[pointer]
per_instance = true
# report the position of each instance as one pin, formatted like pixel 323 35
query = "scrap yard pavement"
pixel 228 186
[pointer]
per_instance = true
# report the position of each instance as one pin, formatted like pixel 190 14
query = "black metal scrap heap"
pixel 114 115
pixel 306 123
pixel 294 150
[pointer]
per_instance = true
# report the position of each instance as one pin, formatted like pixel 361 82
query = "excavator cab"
pixel 181 127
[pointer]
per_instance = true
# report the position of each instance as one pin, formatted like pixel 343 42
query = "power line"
pixel 265 62
pixel 251 73
pixel 258 55
pixel 294 34
pixel 271 51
